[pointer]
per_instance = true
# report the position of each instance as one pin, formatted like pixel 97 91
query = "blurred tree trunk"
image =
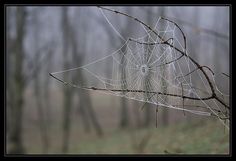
pixel 37 86
pixel 165 112
pixel 83 111
pixel 86 109
pixel 124 119
pixel 15 134
pixel 67 91
pixel 77 61
pixel 216 56
pixel 147 84
pixel 137 115
pixel 86 104
pixel 124 114
pixel 41 113
pixel 193 50
pixel 47 97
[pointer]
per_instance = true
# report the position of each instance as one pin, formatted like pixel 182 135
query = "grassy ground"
pixel 194 138
pixel 199 136
pixel 184 138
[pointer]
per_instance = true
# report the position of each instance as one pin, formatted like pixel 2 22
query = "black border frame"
pixel 111 155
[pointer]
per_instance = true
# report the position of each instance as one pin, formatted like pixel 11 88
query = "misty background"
pixel 44 116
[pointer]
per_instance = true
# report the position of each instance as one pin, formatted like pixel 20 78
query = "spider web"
pixel 147 70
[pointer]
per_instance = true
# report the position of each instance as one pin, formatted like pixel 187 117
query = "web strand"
pixel 137 68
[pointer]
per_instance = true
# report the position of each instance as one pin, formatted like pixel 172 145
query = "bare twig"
pixel 131 91
pixel 184 37
pixel 220 117
pixel 213 94
pixel 171 61
pixel 141 91
pixel 156 43
pixel 197 28
pixel 60 80
pixel 183 97
pixel 183 53
pixel 149 43
pixel 147 100
pixel 156 115
pixel 196 70
pixel 199 107
pixel 226 75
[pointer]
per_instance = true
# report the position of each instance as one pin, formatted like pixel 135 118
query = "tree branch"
pixel 177 49
pixel 131 91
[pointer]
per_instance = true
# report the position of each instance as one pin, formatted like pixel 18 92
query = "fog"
pixel 47 39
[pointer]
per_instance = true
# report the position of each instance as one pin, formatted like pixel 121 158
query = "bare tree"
pixel 213 94
pixel 37 85
pixel 17 85
pixel 124 114
pixel 139 142
pixel 193 26
pixel 147 84
pixel 85 105
pixel 124 119
pixel 47 99
pixel 165 112
pixel 28 70
pixel 67 91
